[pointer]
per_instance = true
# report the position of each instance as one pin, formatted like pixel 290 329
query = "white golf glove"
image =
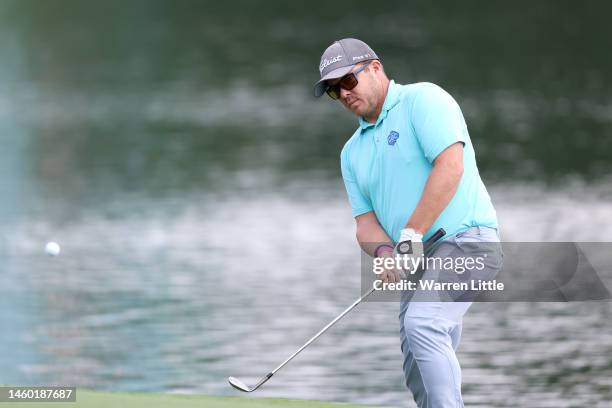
pixel 409 246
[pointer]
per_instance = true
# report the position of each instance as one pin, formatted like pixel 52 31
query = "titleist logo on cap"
pixel 326 62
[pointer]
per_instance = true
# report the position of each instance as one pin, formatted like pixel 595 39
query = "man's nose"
pixel 344 93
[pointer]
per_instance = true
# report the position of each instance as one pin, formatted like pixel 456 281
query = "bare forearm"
pixel 370 234
pixel 439 190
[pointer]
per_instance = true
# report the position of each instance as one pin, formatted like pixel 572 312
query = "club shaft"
pixel 437 235
pixel 323 330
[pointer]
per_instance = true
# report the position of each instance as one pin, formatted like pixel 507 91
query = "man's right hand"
pixel 390 275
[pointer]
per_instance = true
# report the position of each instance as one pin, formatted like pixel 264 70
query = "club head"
pixel 239 385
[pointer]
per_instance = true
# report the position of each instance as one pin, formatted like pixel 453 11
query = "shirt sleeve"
pixel 360 204
pixel 438 121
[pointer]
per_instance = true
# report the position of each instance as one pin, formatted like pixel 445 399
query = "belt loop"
pixel 479 230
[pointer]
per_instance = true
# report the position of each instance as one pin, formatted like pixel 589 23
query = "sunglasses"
pixel 347 82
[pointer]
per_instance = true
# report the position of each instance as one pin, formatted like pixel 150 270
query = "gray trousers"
pixel 430 330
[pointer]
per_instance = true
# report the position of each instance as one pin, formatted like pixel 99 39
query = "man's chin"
pixel 356 109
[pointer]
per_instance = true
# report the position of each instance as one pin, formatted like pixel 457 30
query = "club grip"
pixel 436 236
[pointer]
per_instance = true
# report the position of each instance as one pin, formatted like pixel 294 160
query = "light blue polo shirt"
pixel 385 165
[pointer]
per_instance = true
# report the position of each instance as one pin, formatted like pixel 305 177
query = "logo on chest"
pixel 392 138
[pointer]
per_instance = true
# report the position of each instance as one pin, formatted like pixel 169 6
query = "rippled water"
pixel 193 184
pixel 169 299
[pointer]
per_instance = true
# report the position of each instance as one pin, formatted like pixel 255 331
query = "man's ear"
pixel 376 66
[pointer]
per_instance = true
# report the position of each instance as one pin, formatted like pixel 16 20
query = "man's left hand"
pixel 409 247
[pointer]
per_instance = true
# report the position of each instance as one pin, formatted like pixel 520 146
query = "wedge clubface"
pixel 241 386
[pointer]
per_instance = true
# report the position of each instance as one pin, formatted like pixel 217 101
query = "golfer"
pixel 410 169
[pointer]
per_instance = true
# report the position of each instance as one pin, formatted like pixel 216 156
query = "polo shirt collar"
pixel 391 100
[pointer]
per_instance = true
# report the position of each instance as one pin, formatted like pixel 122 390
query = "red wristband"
pixel 380 248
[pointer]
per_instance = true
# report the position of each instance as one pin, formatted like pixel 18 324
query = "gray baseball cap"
pixel 339 58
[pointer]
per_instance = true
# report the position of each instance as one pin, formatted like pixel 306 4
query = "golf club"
pixel 241 386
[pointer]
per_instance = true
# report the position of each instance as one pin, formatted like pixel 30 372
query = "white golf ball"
pixel 52 248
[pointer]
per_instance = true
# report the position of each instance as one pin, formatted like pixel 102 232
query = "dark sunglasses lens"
pixel 348 82
pixel 333 91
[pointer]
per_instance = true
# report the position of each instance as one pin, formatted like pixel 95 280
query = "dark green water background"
pixel 177 96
